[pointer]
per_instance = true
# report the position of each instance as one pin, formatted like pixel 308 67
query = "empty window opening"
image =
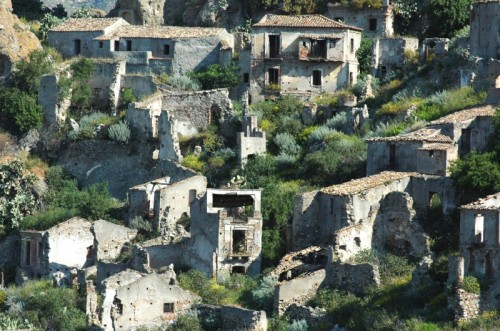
pixel 238 269
pixel 101 44
pixel 357 240
pixel 239 241
pixel 166 49
pixel 343 247
pixel 479 229
pixel 27 256
pixel 383 71
pixel 274 46
pixel 352 45
pixel 129 45
pixel 118 306
pixel 351 79
pixel 392 157
pixel 431 153
pixel 465 142
pixel 333 43
pixel 274 76
pixel 373 24
pixel 316 78
pixel 318 48
pixel 331 206
pixel 168 307
pixel 90 252
pixel 246 77
pixel 117 45
pixel 78 46
pixel 304 44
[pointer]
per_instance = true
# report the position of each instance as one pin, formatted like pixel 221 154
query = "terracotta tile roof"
pixel 161 32
pixel 359 185
pixel 302 21
pixel 491 202
pixel 465 115
pixel 321 36
pixel 426 134
pixel 85 24
pixel 436 147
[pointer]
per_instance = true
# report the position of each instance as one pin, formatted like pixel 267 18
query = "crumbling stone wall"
pixel 109 239
pixel 55 110
pixel 68 245
pixel 354 278
pixel 484 22
pixel 297 290
pixel 464 305
pixel 390 53
pixel 229 318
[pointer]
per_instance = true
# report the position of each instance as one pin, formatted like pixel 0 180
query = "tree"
pixel 364 56
pixel 16 197
pixel 217 76
pixel 19 111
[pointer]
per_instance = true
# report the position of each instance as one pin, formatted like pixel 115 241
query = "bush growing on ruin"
pixel 128 96
pixel 364 56
pixel 471 284
pixel 188 322
pixel 286 144
pixel 192 161
pixel 184 83
pixel 119 132
pixel 216 76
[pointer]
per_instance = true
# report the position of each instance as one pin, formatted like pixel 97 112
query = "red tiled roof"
pixel 302 21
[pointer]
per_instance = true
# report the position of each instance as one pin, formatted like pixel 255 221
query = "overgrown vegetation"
pixel 217 76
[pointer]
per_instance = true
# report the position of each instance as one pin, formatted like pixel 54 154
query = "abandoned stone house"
pixel 479 256
pixel 391 53
pixel 132 299
pixel 69 247
pixel 378 212
pixel 167 115
pixel 375 22
pixel 431 150
pixel 146 49
pixel 163 203
pixel 302 55
pixel 225 236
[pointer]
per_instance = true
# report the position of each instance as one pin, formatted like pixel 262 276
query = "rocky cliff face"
pixel 220 13
pixel 16 41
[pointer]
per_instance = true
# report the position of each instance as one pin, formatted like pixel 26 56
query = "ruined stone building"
pixel 146 49
pixel 164 203
pixel 479 257
pixel 375 22
pixel 168 115
pixel 431 150
pixel 390 53
pixel 252 140
pixel 69 247
pixel 132 299
pixel 378 212
pixel 225 236
pixel 302 55
pixel 484 22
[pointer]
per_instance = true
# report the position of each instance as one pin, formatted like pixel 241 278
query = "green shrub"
pixel 192 161
pixel 128 96
pixel 88 125
pixel 188 322
pixel 471 284
pixel 48 218
pixel 286 144
pixel 184 83
pixel 263 295
pixel 19 110
pixel 119 132
pixel 217 76
pixel 298 325
pixel 339 122
pixel 140 224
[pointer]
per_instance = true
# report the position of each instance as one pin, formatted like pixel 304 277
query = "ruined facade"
pixel 132 299
pixel 431 150
pixel 432 47
pixel 376 212
pixel 145 49
pixel 375 22
pixel 484 22
pixel 226 232
pixel 164 203
pixel 390 54
pixel 302 55
pixel 252 141
pixel 69 247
